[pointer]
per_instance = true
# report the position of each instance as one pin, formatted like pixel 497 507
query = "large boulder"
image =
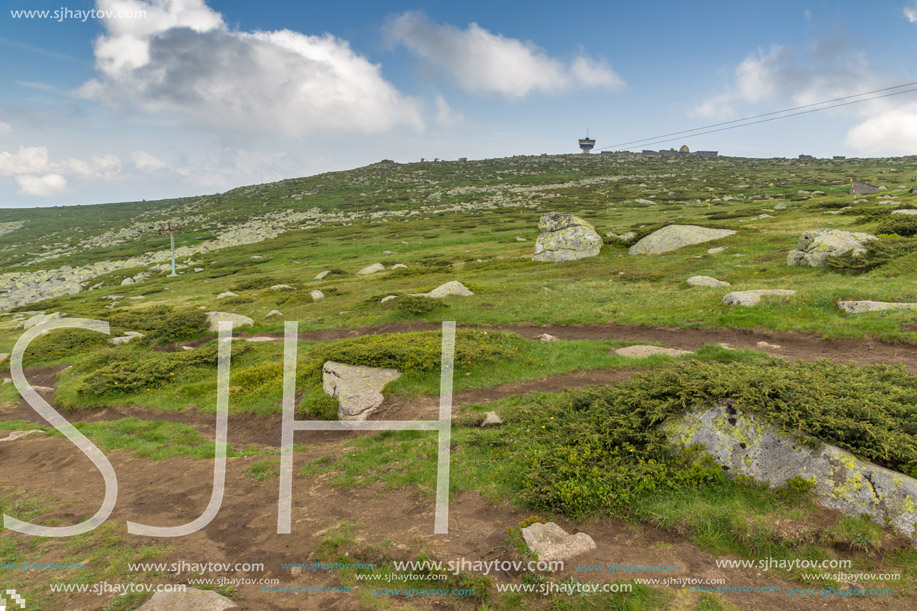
pixel 859 307
pixel 550 542
pixel 189 600
pixel 237 320
pixel 564 237
pixel 358 388
pixel 375 268
pixel 706 281
pixel 28 323
pixel 674 237
pixel 817 245
pixel 842 481
pixel 453 288
pixel 753 297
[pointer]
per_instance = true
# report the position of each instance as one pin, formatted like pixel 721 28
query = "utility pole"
pixel 171 231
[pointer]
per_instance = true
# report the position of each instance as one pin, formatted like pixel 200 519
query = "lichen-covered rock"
pixel 375 268
pixel 453 288
pixel 316 295
pixel 906 212
pixel 358 388
pixel 226 294
pixel 491 419
pixel 642 351
pixel 817 245
pixel 674 237
pixel 753 297
pixel 841 481
pixel 237 320
pixel 28 323
pixel 281 287
pixel 189 600
pixel 564 237
pixel 550 542
pixel 322 275
pixel 706 281
pixel 859 307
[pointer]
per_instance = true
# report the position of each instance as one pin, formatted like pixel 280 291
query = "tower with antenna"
pixel 171 231
pixel 586 144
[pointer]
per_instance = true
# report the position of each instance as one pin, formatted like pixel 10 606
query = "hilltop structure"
pixel 586 144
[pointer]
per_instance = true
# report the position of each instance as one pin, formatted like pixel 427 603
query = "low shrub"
pixel 255 283
pixel 162 323
pixel 416 305
pixel 878 253
pixel 321 406
pixel 898 224
pixel 61 343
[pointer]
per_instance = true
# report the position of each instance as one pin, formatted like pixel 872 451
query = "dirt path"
pixel 176 491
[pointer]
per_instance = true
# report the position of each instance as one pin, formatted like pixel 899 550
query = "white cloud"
pixel 28 160
pixel 480 61
pixel 445 116
pixel 5 129
pixel 44 186
pixel 893 131
pixel 910 11
pixel 146 162
pixel 184 59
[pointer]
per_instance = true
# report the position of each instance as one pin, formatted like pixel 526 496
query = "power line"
pixel 769 114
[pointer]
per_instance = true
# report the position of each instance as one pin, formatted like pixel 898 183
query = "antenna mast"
pixel 171 231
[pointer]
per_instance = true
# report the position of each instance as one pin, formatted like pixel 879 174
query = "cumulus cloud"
pixel 145 162
pixel 910 11
pixel 184 59
pixel 445 116
pixel 43 186
pixel 893 131
pixel 5 129
pixel 480 61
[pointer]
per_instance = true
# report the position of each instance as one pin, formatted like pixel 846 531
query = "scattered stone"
pixel 647 202
pixel 188 348
pixel 28 323
pixel 388 252
pixel 358 388
pixel 550 542
pixel 371 269
pixel 780 206
pixel 388 298
pixel 520 239
pixel 674 237
pixel 564 237
pixel 621 236
pixel 860 307
pixel 322 275
pixel 127 282
pixel 4 356
pixel 398 266
pixel 281 287
pixel 42 389
pixel 198 269
pixel 908 212
pixel 546 337
pixel 128 337
pixel 113 297
pixel 226 294
pixel 189 600
pixel 767 346
pixel 317 295
pixel 817 245
pixel 491 419
pixel 707 281
pixel 752 298
pixel 841 481
pixel 450 289
pixel 237 320
pixel 7 381
pixel 717 250
pixel 642 351
pixel 14 435
pixel 257 257
pixel 273 313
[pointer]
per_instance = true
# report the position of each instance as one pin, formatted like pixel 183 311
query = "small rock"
pixel 7 380
pixel 322 275
pixel 14 435
pixel 281 287
pixel 717 250
pixel 4 356
pixel 257 257
pixel 706 281
pixel 767 346
pixel 860 307
pixel 780 206
pixel 520 239
pixel 546 337
pixel 752 298
pixel 198 269
pixel 492 419
pixel 226 294
pixel 273 313
pixel 127 282
pixel 371 269
pixel 358 388
pixel 453 288
pixel 317 295
pixel 189 600
pixel 388 298
pixel 642 351
pixel 399 266
pixel 113 297
pixel 550 542
pixel 237 320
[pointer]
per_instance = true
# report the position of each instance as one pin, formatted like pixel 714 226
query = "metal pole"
pixel 172 236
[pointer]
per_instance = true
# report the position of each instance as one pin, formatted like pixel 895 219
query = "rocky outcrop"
pixel 453 288
pixel 375 268
pixel 817 245
pixel 860 307
pixel 758 450
pixel 237 320
pixel 28 323
pixel 358 388
pixel 189 600
pixel 564 237
pixel 706 281
pixel 753 297
pixel 550 542
pixel 674 237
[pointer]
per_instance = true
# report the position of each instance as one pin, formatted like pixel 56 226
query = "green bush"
pixel 322 407
pixel 257 282
pixel 600 449
pixel 162 323
pixel 416 305
pixel 61 343
pixel 878 253
pixel 898 224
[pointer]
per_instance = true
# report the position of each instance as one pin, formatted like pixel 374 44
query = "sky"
pixel 123 100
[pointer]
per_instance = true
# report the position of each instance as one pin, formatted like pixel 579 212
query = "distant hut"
pixel 862 188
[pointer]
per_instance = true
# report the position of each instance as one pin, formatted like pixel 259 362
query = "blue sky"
pixel 200 96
